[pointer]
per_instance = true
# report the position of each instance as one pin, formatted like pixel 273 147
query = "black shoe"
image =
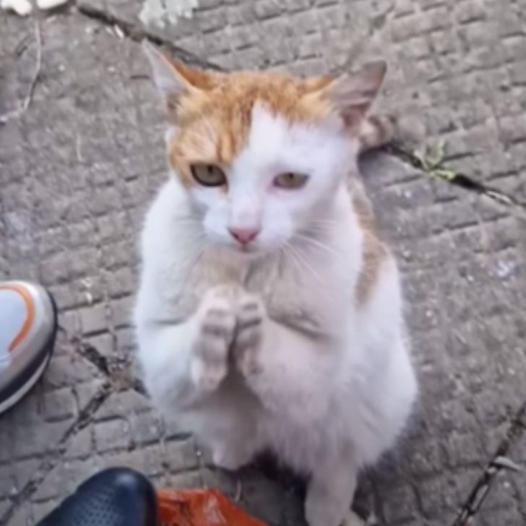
pixel 114 497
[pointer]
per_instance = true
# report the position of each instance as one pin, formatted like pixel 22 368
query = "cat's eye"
pixel 208 174
pixel 290 180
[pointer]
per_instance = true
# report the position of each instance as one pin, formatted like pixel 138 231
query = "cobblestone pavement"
pixel 79 166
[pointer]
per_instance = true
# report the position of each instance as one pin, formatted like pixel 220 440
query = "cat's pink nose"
pixel 244 235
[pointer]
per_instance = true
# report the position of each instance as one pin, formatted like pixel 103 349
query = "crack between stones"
pixel 113 383
pixel 114 370
pixel 136 33
pixel 47 465
pixel 484 484
pixel 461 180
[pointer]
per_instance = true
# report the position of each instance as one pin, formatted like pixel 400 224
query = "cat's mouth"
pixel 248 250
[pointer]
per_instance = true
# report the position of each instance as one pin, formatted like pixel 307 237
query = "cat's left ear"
pixel 353 93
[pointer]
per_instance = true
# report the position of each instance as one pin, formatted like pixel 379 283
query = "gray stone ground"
pixel 79 166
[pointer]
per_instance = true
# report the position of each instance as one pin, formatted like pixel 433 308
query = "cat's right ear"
pixel 166 77
pixel 174 80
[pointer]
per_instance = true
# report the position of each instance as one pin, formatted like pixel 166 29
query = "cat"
pixel 269 314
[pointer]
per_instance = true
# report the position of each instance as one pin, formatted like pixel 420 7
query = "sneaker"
pixel 113 497
pixel 28 325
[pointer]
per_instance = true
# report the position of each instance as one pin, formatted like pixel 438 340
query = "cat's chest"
pixel 313 298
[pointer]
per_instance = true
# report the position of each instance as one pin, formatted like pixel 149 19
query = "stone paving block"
pixel 146 428
pixel 25 470
pixel 122 309
pixel 400 505
pixel 64 478
pixel 45 442
pixel 508 516
pixel 181 455
pixel 88 391
pixel 23 517
pixel 59 404
pixel 67 369
pixel 463 450
pixel 122 404
pixel 94 318
pixel 112 434
pixel 147 460
pixel 103 343
pixel 190 480
pixel 41 509
pixel 81 444
pixel 126 341
pixel 7 482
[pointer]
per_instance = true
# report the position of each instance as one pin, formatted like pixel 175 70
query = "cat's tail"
pixel 376 130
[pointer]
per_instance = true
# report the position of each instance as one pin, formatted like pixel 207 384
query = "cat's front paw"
pixel 249 335
pixel 351 519
pixel 231 457
pixel 215 332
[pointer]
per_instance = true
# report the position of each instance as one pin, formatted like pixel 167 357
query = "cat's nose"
pixel 244 235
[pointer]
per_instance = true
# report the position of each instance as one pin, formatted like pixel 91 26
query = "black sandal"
pixel 114 497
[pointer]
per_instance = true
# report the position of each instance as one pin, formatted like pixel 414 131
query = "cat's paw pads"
pixel 215 332
pixel 250 318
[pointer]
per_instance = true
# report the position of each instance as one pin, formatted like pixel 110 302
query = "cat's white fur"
pixel 272 349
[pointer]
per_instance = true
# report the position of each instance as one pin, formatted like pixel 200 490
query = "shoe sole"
pixel 15 391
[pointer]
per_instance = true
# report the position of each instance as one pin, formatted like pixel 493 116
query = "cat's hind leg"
pixel 330 493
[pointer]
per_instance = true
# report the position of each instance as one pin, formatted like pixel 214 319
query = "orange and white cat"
pixel 269 314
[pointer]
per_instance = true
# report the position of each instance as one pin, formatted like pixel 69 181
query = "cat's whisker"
pixel 296 252
pixel 329 222
pixel 293 258
pixel 318 229
pixel 319 244
pixel 189 221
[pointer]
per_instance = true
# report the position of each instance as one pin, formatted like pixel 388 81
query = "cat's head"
pixel 260 154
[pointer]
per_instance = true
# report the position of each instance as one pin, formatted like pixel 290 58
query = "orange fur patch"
pixel 374 251
pixel 213 120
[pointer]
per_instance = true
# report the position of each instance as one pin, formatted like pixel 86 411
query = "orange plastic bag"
pixel 200 507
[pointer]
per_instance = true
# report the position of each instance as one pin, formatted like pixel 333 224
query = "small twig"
pixel 29 97
pixel 506 463
pixel 118 31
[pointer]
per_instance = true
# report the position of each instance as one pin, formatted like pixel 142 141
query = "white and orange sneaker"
pixel 28 325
